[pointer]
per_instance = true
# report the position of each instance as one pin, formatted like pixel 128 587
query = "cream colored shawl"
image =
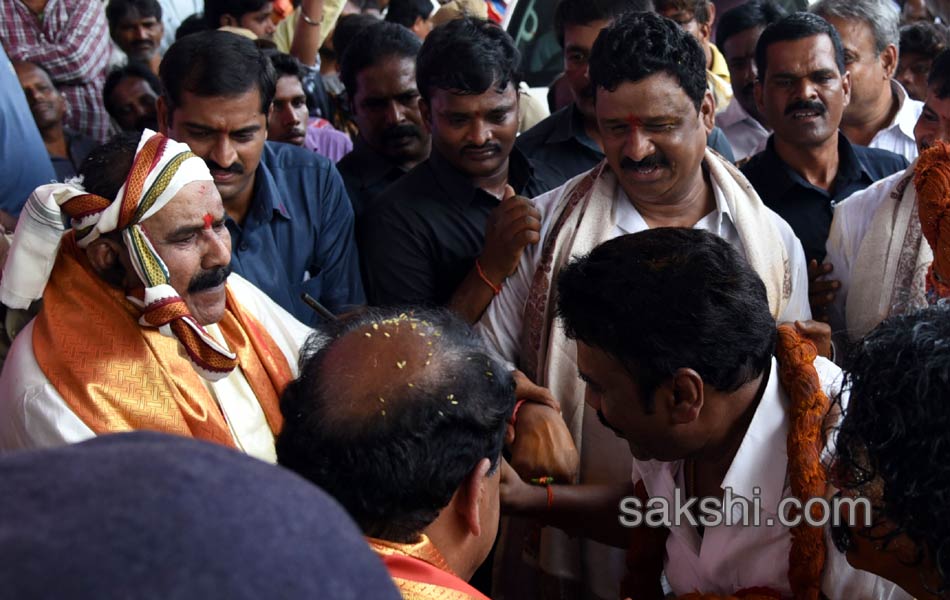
pixel 889 274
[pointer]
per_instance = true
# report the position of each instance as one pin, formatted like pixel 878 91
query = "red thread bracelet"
pixel 494 288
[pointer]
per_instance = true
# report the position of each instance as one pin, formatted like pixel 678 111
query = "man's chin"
pixel 207 306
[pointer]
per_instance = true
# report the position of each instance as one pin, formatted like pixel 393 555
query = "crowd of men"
pixel 467 331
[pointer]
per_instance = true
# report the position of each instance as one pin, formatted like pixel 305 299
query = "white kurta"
pixel 851 222
pixel 730 558
pixel 501 324
pixel 34 415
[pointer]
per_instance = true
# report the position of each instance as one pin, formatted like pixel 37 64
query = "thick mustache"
pixel 654 160
pixel 234 168
pixel 401 131
pixel 489 146
pixel 209 279
pixel 805 105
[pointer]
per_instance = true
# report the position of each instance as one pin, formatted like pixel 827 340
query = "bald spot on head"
pixel 383 364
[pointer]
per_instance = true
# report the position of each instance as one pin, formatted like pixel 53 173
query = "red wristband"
pixel 494 288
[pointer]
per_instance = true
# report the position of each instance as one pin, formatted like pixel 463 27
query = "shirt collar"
pixel 629 220
pixel 735 113
pixel 458 186
pixel 267 203
pixel 908 112
pixel 372 165
pixel 760 465
pixel 850 168
pixel 569 125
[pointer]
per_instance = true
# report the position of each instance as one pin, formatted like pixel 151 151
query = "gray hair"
pixel 880 15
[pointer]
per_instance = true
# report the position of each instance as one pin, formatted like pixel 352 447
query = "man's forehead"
pixel 656 95
pixel 454 100
pixel 792 53
pixel 243 110
pixel 291 86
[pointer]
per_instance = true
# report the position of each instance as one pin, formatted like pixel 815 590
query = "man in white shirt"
pixel 141 325
pixel 880 114
pixel 738 31
pixel 879 254
pixel 654 113
pixel 682 361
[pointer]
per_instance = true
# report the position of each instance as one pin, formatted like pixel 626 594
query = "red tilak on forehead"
pixel 208 220
pixel 633 120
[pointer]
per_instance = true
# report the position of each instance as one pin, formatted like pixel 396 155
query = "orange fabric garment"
pixel 117 375
pixel 420 572
pixel 932 181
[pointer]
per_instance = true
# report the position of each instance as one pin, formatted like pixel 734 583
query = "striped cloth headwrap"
pixel 160 169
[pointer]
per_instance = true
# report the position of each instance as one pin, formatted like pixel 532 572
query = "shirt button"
pixel 243 246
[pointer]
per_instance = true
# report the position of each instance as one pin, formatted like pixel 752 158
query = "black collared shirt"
pixel 560 148
pixel 422 235
pixel 366 173
pixel 807 208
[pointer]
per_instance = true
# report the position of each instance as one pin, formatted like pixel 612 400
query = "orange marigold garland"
pixel 932 183
pixel 809 405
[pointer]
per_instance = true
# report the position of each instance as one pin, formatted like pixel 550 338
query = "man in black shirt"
pixel 453 229
pixel 808 166
pixel 379 72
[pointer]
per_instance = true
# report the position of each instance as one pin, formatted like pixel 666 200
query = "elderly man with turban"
pixel 142 324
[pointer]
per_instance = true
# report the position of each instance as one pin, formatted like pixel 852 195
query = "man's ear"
pixel 228 21
pixel 470 496
pixel 161 109
pixel 683 396
pixel 707 112
pixel 706 29
pixel 889 60
pixel 846 88
pixel 757 91
pixel 425 111
pixel 105 257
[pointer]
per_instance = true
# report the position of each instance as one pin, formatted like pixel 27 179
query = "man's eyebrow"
pixel 185 230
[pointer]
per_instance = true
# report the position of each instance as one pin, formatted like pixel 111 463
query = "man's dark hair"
pixel 939 77
pixel 405 12
pixel 372 46
pixel 754 13
pixel 215 9
pixel 215 63
pixel 669 298
pixel 192 24
pixel 347 28
pixel 895 429
pixel 467 56
pixel 393 469
pixel 797 26
pixel 926 39
pixel 117 10
pixel 582 12
pixel 699 8
pixel 285 64
pixel 638 45
pixel 106 168
pixel 118 74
